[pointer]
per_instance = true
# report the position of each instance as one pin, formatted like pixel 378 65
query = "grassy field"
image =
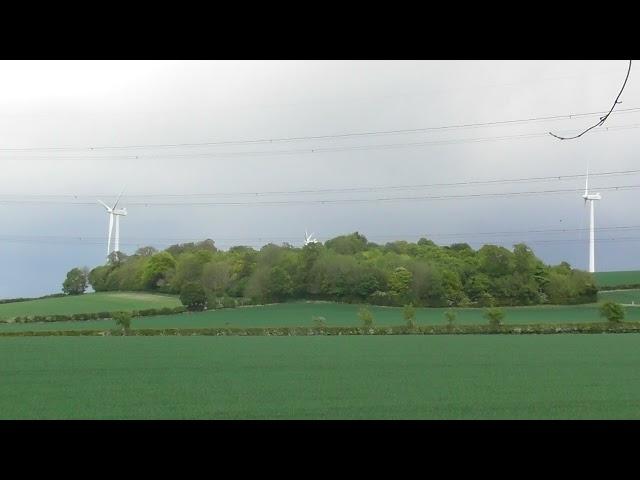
pixel 88 303
pixel 620 296
pixel 611 279
pixel 301 314
pixel 407 377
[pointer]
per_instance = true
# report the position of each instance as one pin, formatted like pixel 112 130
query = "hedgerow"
pixel 537 329
pixel 26 299
pixel 80 317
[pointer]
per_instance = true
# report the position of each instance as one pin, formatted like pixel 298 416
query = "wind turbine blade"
pixel 105 205
pixel 116 204
pixel 110 231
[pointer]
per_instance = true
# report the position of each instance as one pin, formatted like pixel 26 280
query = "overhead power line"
pixel 604 118
pixel 373 133
pixel 361 189
pixel 268 238
pixel 316 150
pixel 324 201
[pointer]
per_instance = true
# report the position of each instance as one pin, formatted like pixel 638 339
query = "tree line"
pixel 348 268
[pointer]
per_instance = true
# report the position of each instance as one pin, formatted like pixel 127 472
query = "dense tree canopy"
pixel 76 281
pixel 349 268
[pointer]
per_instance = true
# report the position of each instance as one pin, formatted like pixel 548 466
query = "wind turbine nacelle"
pixel 593 196
pixel 120 211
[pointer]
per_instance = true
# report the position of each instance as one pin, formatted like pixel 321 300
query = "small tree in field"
pixel 495 316
pixel 319 322
pixel 193 296
pixel 123 319
pixel 450 316
pixel 76 281
pixel 365 316
pixel 614 312
pixel 409 314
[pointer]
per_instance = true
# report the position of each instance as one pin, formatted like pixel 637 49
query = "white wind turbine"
pixel 591 198
pixel 309 238
pixel 117 213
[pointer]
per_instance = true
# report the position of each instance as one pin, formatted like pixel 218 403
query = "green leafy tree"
pixel 98 277
pixel 217 276
pixel 193 296
pixel 365 316
pixel 123 320
pixel 400 282
pixel 450 315
pixel 495 261
pixel 146 251
pixel 409 314
pixel 117 258
pixel 495 316
pixel 614 312
pixel 158 269
pixel 189 267
pixel 347 244
pixel 351 269
pixel 280 284
pixel 76 282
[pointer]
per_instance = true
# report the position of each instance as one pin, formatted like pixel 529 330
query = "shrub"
pixel 495 316
pixel 486 300
pixel 242 301
pixel 228 302
pixel 319 322
pixel 409 314
pixel 365 316
pixel 450 315
pixel 123 319
pixel 193 296
pixel 379 298
pixel 614 312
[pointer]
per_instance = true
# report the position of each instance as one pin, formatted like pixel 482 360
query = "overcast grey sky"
pixel 73 105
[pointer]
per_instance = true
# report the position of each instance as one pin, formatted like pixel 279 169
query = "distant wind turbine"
pixel 117 213
pixel 309 238
pixel 591 198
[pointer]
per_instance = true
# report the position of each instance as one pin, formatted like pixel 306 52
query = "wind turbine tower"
pixel 591 198
pixel 117 213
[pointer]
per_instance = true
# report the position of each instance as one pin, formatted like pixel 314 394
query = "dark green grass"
pixel 405 377
pixel 301 314
pixel 88 303
pixel 611 279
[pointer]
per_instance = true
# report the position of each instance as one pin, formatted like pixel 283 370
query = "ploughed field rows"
pixel 88 303
pixel 355 377
pixel 301 314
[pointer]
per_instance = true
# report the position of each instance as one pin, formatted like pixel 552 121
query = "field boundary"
pixel 550 329
pixel 83 317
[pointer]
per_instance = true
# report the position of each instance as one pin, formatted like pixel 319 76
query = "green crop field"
pixel 88 303
pixel 612 279
pixel 302 313
pixel 620 296
pixel 388 377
